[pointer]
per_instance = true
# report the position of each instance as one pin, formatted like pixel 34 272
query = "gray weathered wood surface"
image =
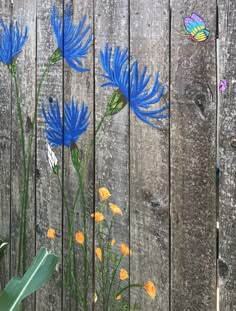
pixel 165 180
pixel 48 199
pixel 112 143
pixel 227 156
pixel 5 155
pixel 193 163
pixel 149 160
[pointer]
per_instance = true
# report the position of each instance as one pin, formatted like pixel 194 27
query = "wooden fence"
pixel 166 180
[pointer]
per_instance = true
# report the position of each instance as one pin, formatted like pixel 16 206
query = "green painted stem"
pixel 12 69
pixel 29 162
pixel 87 156
pixel 121 291
pixel 113 276
pixel 85 242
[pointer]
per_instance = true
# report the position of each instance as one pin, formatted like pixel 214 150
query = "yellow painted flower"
pixel 51 233
pixel 118 297
pixel 115 209
pixel 123 274
pixel 98 252
pixel 125 249
pixel 79 236
pixel 113 242
pixel 98 216
pixel 104 193
pixel 151 289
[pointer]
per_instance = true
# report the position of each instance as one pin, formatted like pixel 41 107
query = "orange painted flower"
pixel 125 249
pixel 113 242
pixel 51 233
pixel 118 297
pixel 151 289
pixel 98 216
pixel 99 253
pixel 123 274
pixel 104 193
pixel 79 236
pixel 115 209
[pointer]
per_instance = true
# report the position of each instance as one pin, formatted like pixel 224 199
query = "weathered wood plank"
pixel 24 12
pixel 80 87
pixel 5 155
pixel 193 158
pixel 149 157
pixel 112 144
pixel 48 196
pixel 227 157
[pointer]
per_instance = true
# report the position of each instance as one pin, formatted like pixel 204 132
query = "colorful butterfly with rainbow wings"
pixel 195 28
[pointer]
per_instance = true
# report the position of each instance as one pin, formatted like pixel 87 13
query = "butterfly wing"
pixel 195 17
pixel 193 26
pixel 201 35
pixel 189 24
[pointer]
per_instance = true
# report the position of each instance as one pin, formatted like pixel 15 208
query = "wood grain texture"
pixel 80 87
pixel 5 156
pixel 48 196
pixel 24 12
pixel 112 143
pixel 227 157
pixel 193 171
pixel 149 157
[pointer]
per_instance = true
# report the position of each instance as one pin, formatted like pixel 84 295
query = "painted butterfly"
pixel 223 85
pixel 195 26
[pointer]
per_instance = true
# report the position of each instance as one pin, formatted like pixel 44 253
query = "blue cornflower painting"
pixel 76 121
pixel 74 41
pixel 123 74
pixel 12 41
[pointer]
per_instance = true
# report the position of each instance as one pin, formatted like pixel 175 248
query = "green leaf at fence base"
pixel 18 289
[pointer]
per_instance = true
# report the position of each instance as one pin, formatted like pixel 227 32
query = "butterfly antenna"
pixel 184 27
pixel 181 34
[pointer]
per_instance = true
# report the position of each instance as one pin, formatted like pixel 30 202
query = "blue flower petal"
pixel 122 72
pixel 12 41
pixel 76 122
pixel 71 40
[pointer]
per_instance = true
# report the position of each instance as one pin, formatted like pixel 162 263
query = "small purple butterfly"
pixel 223 85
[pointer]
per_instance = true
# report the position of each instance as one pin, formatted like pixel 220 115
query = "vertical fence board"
pixel 24 12
pixel 227 157
pixel 112 143
pixel 80 87
pixel 49 198
pixel 192 150
pixel 5 156
pixel 149 156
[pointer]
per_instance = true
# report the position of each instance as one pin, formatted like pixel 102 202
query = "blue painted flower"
pixel 74 41
pixel 75 123
pixel 12 41
pixel 125 76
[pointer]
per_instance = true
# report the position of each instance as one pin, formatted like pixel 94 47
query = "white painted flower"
pixel 52 159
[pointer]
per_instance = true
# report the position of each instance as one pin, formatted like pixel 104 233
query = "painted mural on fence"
pixel 130 86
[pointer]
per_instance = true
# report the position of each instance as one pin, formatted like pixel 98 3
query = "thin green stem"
pixel 12 69
pixel 85 239
pixel 108 256
pixel 72 275
pixel 87 156
pixel 114 298
pixel 129 286
pixel 29 162
pixel 113 275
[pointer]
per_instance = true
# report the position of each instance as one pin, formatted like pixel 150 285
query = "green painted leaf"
pixel 18 289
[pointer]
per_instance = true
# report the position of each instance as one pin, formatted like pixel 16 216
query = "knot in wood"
pixel 233 141
pixel 223 269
